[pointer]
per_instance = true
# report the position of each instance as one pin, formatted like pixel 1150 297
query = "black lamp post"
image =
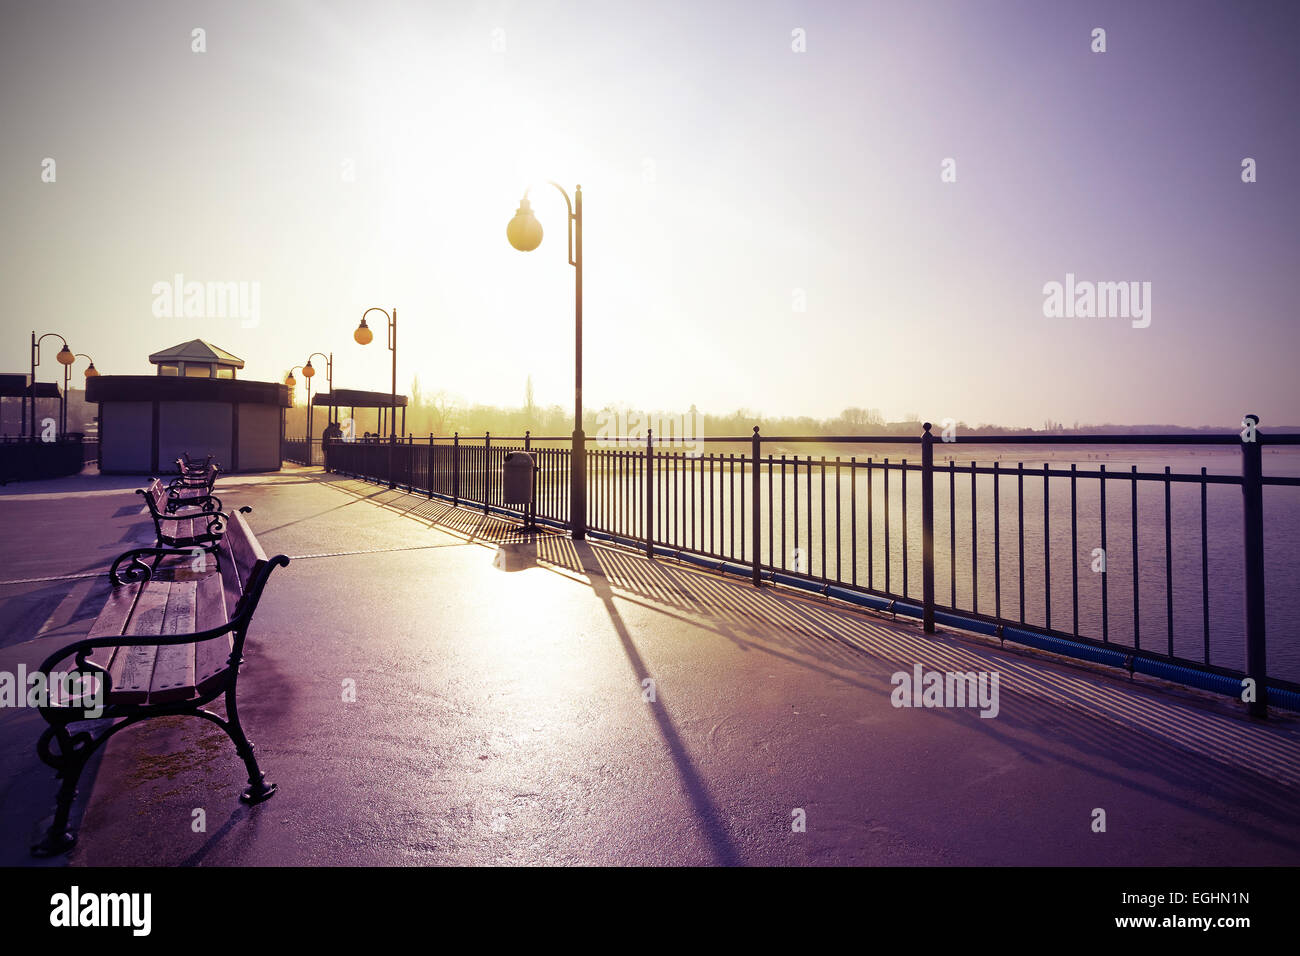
pixel 525 234
pixel 91 372
pixel 65 358
pixel 364 336
pixel 292 382
pixel 308 371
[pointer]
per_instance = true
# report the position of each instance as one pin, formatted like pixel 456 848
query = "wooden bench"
pixel 191 466
pixel 199 527
pixel 163 644
pixel 191 490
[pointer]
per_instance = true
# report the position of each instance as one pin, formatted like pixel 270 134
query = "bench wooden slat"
pixel 110 623
pixel 243 546
pixel 230 576
pixel 132 667
pixel 112 620
pixel 240 554
pixel 173 669
pixel 211 658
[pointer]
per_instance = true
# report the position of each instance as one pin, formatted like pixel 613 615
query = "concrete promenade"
pixel 500 713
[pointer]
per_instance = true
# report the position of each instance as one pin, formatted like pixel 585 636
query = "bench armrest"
pixel 137 570
pixel 207 503
pixel 80 650
pixel 187 509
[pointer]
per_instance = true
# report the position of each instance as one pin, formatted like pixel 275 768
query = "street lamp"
pixel 525 234
pixel 308 370
pixel 293 384
pixel 65 358
pixel 364 336
pixel 91 372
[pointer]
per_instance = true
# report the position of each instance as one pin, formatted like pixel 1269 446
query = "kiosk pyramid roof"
pixel 196 350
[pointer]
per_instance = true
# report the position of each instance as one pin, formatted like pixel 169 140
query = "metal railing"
pixel 302 452
pixel 1129 567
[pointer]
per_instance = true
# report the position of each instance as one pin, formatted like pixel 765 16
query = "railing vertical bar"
pixel 1074 547
pixel 952 531
pixel 741 556
pixel 823 516
pixel 903 480
pixel 731 507
pixel 771 517
pixel 871 507
pixel 1020 529
pixel 649 493
pixel 692 466
pixel 885 470
pixel 1205 574
pixel 487 470
pixel 711 503
pixel 1169 566
pixel 784 553
pixel 756 519
pixel 974 551
pixel 839 534
pixel 1105 585
pixel 1047 546
pixel 1137 632
pixel 809 496
pixel 927 529
pixel 997 546
pixel 853 517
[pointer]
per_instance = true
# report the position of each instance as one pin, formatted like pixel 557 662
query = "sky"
pixel 767 223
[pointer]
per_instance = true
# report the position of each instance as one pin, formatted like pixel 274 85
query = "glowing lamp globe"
pixel 291 381
pixel 92 372
pixel 363 335
pixel 524 231
pixel 307 370
pixel 65 356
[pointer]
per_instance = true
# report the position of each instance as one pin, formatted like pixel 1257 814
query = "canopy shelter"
pixel 16 385
pixel 352 399
pixel 42 390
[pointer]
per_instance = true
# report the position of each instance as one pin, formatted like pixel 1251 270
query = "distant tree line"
pixel 442 414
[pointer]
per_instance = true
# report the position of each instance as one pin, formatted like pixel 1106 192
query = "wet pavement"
pixel 525 700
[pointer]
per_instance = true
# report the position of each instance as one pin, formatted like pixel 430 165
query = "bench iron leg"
pixel 74 752
pixel 259 788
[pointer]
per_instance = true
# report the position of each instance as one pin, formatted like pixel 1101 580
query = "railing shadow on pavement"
pixel 1092 716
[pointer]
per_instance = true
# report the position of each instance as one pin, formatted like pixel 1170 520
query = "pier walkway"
pixel 528 700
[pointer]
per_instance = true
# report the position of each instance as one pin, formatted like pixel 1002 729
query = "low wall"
pixel 32 460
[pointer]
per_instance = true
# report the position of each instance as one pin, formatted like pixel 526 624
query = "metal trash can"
pixel 517 480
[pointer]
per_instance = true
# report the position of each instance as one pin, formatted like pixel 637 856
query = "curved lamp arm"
pixel 387 319
pixel 36 358
pixel 91 371
pixel 569 205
